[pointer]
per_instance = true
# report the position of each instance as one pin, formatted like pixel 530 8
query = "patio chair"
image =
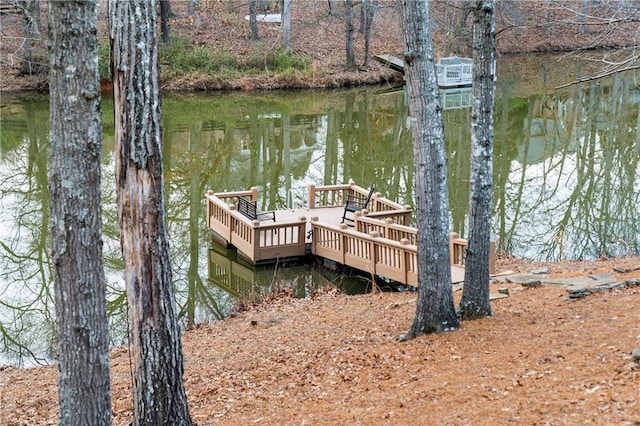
pixel 356 202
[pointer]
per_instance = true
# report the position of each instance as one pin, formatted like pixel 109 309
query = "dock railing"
pixel 380 248
pixel 396 260
pixel 458 247
pixel 454 71
pixel 379 207
pixel 332 195
pixel 259 241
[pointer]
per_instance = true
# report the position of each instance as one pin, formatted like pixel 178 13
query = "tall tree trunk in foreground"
pixel 435 311
pixel 475 301
pixel 76 225
pixel 154 335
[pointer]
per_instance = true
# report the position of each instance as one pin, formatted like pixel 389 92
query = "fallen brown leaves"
pixel 334 359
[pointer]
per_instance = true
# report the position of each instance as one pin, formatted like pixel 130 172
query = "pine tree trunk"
pixel 475 301
pixel 76 225
pixel 154 335
pixel 435 311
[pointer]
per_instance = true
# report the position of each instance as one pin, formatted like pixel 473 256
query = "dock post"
pixel 453 248
pixel 311 196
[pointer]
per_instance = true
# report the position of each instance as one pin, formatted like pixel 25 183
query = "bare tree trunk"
pixel 286 25
pixel 253 21
pixel 369 13
pixel 332 8
pixel 154 335
pixel 348 22
pixel 31 14
pixel 475 294
pixel 165 11
pixel 76 226
pixel 435 311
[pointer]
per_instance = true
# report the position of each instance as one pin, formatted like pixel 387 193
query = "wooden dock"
pixel 392 61
pixel 379 242
pixel 451 71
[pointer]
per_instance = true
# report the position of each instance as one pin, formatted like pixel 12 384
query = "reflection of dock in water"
pixel 240 280
pixel 227 272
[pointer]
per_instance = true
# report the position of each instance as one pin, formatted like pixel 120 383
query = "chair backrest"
pixel 366 202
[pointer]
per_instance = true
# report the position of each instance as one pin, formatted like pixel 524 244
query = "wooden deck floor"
pixel 327 215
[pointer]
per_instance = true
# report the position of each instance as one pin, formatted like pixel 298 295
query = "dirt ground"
pixel 542 358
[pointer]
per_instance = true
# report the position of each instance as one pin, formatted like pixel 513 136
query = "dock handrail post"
pixel 406 219
pixel 387 224
pixel 404 259
pixel 209 192
pixel 492 258
pixel 311 195
pixel 254 193
pixel 453 250
pixel 343 242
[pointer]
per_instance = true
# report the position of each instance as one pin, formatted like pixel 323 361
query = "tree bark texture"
pixel 154 335
pixel 368 6
pixel 349 29
pixel 253 20
pixel 31 16
pixel 286 25
pixel 475 301
pixel 435 311
pixel 76 225
pixel 165 12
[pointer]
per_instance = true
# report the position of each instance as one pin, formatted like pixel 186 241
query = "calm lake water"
pixel 566 178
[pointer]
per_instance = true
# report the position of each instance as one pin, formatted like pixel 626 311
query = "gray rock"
pixel 623 270
pixel 540 271
pixel 601 277
pixel 577 292
pixel 531 283
pixel 635 354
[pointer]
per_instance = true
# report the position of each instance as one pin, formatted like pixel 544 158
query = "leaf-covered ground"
pixel 334 359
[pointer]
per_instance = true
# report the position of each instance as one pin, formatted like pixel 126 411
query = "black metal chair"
pixel 356 202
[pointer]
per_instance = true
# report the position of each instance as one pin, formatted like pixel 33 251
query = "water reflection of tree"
pixel 24 254
pixel 571 207
pixel 457 133
pixel 377 144
pixel 196 150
